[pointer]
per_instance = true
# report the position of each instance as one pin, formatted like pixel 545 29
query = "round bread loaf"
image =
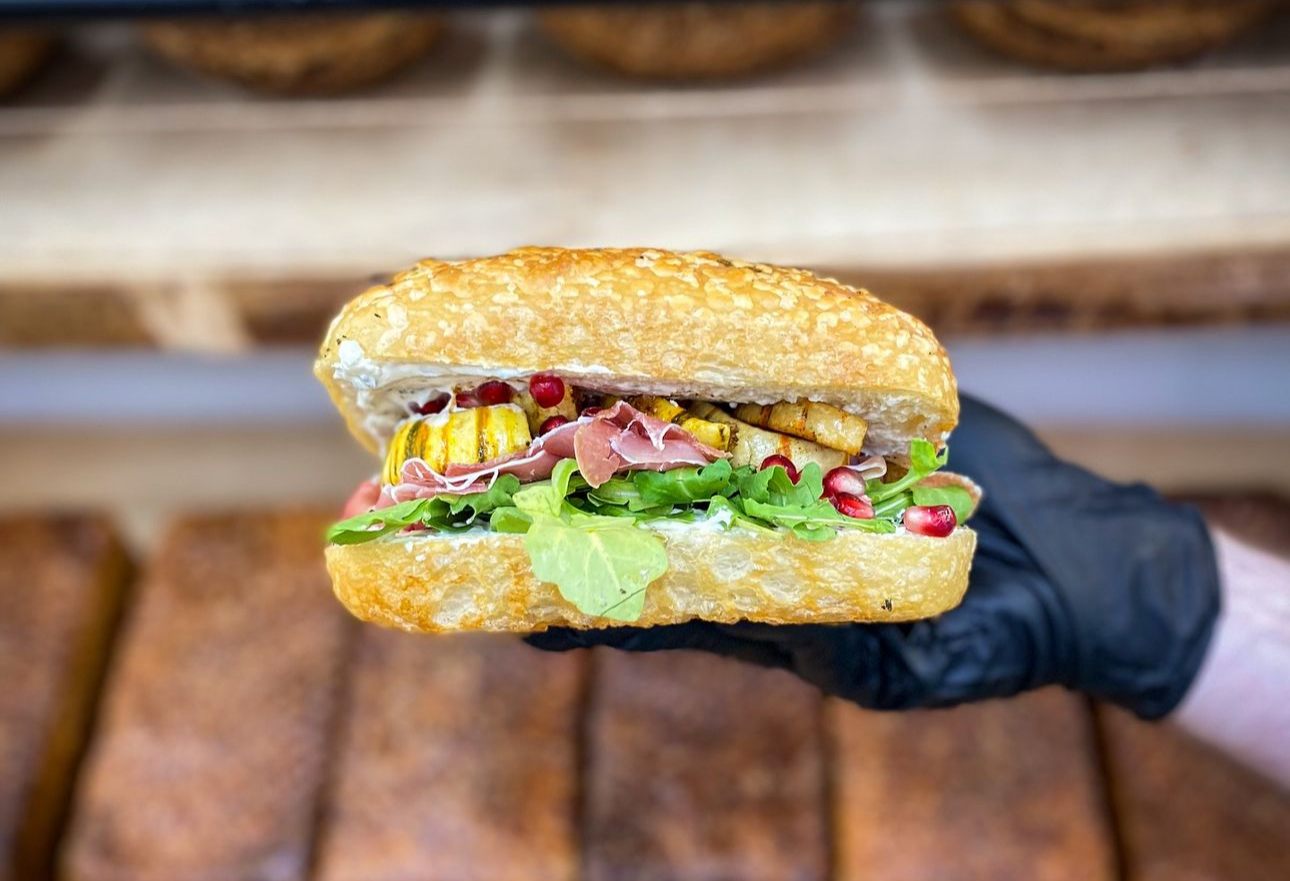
pixel 21 54
pixel 1097 35
pixel 484 581
pixel 694 40
pixel 307 54
pixel 680 325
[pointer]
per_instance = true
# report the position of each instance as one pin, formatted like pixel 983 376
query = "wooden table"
pixel 249 730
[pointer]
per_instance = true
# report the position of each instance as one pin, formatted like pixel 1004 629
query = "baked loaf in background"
pixel 695 40
pixel 21 54
pixel 1093 35
pixel 213 741
pixel 62 582
pixel 306 54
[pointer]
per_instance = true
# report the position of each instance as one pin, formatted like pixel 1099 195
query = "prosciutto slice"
pixel 618 438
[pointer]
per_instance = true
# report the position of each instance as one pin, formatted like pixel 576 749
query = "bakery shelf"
pixel 989 196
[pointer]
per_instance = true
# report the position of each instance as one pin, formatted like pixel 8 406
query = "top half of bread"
pixel 681 325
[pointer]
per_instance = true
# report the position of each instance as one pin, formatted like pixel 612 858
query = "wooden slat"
pixel 61 581
pixel 49 316
pixel 458 762
pixel 1262 519
pixel 1187 811
pixel 498 140
pixel 1001 790
pixel 215 734
pixel 1162 289
pixel 1159 289
pixel 703 768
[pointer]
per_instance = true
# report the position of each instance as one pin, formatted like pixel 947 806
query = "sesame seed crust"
pixel 684 325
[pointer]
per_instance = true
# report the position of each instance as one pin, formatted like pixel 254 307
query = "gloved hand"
pixel 1103 588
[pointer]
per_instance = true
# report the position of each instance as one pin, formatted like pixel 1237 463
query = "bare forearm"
pixel 1241 699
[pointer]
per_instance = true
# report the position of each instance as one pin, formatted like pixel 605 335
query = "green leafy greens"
pixel 591 542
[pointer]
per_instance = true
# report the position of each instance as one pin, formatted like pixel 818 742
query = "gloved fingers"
pixel 696 635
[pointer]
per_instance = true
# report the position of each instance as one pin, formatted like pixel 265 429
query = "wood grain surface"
pixel 216 731
pixel 996 791
pixel 244 735
pixel 61 587
pixel 1187 811
pixel 702 769
pixel 458 761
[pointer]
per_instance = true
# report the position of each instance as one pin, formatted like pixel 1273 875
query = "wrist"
pixel 1237 701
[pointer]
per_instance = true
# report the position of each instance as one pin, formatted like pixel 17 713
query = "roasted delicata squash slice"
pixel 750 445
pixel 714 434
pixel 813 421
pixel 462 437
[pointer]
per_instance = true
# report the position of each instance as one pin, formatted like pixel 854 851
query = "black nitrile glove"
pixel 1104 588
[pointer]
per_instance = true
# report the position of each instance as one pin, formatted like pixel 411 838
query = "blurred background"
pixel 1088 201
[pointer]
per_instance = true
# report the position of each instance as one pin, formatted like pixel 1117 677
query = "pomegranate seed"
pixel 591 411
pixel 852 505
pixel 432 406
pixel 552 422
pixel 467 400
pixel 934 520
pixel 843 480
pixel 546 389
pixel 783 462
pixel 495 392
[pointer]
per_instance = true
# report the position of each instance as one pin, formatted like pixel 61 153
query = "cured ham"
pixel 618 438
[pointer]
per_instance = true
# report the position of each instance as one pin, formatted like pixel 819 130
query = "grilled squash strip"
pixel 813 421
pixel 463 437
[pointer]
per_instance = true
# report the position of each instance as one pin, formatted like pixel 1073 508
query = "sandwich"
pixel 585 438
pixel 298 54
pixel 697 39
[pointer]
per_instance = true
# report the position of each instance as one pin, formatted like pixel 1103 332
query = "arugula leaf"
pixel 682 486
pixel 496 496
pixel 923 461
pixel 374 524
pixel 893 505
pixel 773 486
pixel 547 497
pixel 737 517
pixel 808 489
pixel 955 496
pixel 443 512
pixel 615 491
pixel 509 519
pixel 820 513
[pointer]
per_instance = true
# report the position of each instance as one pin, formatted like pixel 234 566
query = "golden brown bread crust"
pixel 484 581
pixel 1228 821
pixel 223 694
pixel 459 759
pixel 62 582
pixel 1097 35
pixel 678 324
pixel 693 40
pixel 999 784
pixel 21 55
pixel 297 54
pixel 703 768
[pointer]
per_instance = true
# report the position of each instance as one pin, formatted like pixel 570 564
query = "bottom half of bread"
pixel 483 581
